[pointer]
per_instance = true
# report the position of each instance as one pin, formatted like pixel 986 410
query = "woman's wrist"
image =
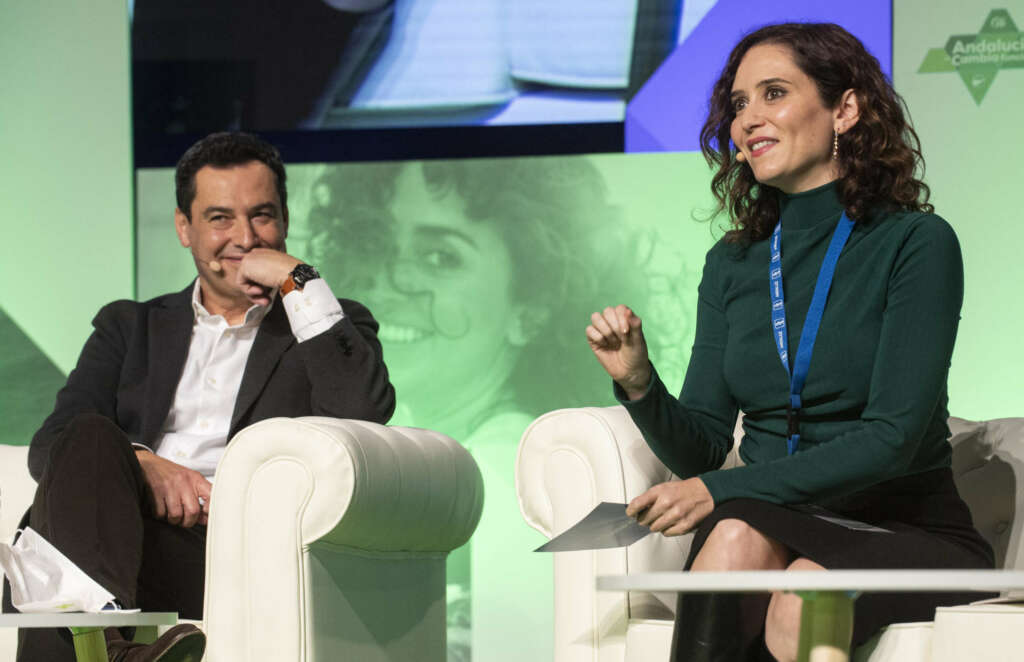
pixel 636 386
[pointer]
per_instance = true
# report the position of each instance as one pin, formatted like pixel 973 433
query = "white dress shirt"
pixel 195 432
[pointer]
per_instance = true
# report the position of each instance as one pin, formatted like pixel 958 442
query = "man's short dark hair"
pixel 222 150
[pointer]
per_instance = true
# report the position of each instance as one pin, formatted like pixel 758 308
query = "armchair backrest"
pixel 988 467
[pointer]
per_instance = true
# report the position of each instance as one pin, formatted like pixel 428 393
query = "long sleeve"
pixel 347 362
pixel 906 404
pixel 346 370
pixel 132 364
pixel 311 310
pixel 874 403
pixel 692 434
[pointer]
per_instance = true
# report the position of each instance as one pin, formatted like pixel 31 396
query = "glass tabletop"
pixel 81 619
pixel 811 580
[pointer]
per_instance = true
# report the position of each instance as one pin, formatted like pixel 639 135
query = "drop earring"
pixel 835 144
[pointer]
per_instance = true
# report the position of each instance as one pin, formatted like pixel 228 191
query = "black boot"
pixel 720 627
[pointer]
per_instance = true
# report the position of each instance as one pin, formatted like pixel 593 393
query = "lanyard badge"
pixel 809 333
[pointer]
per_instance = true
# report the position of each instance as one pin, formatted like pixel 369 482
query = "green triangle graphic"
pixel 29 385
pixel 936 61
pixel 978 78
pixel 979 57
pixel 999 21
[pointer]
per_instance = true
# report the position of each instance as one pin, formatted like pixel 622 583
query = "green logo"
pixel 979 57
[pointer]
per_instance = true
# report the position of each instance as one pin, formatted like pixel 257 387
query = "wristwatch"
pixel 297 279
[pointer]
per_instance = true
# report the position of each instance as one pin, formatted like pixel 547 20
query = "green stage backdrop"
pixel 471 299
pixel 969 121
pixel 65 192
pixel 483 274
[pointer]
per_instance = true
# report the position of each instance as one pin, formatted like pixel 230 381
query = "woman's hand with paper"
pixel 673 508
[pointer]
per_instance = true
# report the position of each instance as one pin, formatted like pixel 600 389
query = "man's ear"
pixel 526 323
pixel 847 112
pixel 182 226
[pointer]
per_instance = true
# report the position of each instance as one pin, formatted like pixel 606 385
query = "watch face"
pixel 304 273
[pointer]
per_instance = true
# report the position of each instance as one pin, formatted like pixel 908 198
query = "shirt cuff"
pixel 312 310
pixel 142 447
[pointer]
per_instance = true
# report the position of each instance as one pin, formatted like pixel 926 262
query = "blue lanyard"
pixel 814 314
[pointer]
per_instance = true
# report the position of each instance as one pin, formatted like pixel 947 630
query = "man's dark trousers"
pixel 92 503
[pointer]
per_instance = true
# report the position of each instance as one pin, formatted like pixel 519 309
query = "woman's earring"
pixel 835 144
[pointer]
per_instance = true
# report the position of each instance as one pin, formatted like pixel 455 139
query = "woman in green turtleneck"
pixel 803 126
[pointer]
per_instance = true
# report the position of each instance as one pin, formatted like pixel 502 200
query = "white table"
pixel 826 621
pixel 87 629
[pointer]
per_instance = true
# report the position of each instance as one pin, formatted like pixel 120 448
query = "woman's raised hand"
pixel 617 340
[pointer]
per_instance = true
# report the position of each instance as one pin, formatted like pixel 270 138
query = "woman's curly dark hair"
pixel 879 156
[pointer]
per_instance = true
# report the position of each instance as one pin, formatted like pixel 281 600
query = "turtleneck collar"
pixel 804 210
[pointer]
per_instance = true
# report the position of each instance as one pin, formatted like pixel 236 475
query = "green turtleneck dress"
pixel 874 403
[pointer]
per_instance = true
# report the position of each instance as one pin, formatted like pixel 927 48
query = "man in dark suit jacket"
pixel 124 460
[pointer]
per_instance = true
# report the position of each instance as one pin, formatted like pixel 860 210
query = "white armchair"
pixel 572 459
pixel 327 540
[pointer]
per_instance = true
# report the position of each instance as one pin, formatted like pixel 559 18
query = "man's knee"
pixel 92 424
pixel 94 429
pixel 88 440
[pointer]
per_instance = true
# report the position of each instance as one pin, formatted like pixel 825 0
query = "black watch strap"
pixel 297 279
pixel 302 274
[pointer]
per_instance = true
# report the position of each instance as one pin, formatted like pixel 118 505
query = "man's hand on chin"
pixel 262 270
pixel 176 490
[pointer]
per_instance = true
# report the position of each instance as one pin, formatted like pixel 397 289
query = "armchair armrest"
pixel 569 461
pixel 327 540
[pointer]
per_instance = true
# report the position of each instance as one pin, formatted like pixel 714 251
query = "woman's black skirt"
pixel 929 527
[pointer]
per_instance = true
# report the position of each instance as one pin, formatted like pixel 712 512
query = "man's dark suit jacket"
pixel 131 364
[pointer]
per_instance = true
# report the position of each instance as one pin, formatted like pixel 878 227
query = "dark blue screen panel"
pixel 668 111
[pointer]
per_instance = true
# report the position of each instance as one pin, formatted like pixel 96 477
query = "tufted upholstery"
pixel 327 540
pixel 988 466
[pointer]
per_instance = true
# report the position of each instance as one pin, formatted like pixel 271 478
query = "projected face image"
pixel 781 127
pixel 444 305
pixel 482 274
pixel 479 273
